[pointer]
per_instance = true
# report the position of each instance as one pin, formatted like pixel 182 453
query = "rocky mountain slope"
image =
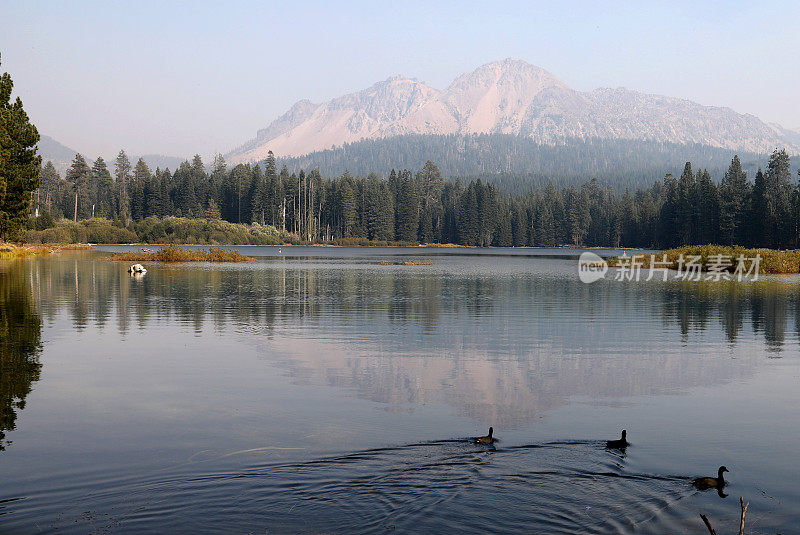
pixel 509 97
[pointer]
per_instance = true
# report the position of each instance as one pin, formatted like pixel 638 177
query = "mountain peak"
pixel 513 70
pixel 508 96
pixel 394 84
pixel 512 64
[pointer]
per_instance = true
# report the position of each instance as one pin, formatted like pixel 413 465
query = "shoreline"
pixel 420 246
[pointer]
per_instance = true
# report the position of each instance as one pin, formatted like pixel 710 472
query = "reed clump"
pixel 174 253
pixel 10 251
pixel 772 261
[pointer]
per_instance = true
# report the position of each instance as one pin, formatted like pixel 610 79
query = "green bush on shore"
pixel 177 230
pixel 87 231
pixel 182 230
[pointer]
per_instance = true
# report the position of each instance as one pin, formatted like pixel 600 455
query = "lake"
pixel 329 390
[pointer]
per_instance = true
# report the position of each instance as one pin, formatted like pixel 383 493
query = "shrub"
pixel 44 221
pixel 174 253
pixel 58 234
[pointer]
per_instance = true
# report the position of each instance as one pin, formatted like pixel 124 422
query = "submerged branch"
pixel 708 525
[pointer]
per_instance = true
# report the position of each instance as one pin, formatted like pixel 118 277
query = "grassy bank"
pixel 9 251
pixel 772 261
pixel 174 253
pixel 22 251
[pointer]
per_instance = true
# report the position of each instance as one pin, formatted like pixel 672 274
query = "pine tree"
pixel 49 189
pixel 669 218
pixel 272 193
pixel 550 217
pixel 241 177
pixel 406 209
pixel 469 232
pixel 762 213
pixel 136 190
pixel 319 197
pixel 771 210
pixel 122 174
pixel 300 204
pixel 78 177
pixel 200 183
pixel 19 163
pixel 545 226
pixel 519 225
pixel 255 196
pixel 687 211
pixel 450 199
pixel 578 215
pixel 281 194
pixel 778 181
pixel 489 212
pixel 380 210
pixel 796 213
pixel 626 234
pixel 430 184
pixel 708 208
pixel 101 187
pixel 734 191
pixel 348 208
pixel 151 195
pixel 212 210
pixel 504 236
pixel 165 206
pixel 222 187
pixel 185 197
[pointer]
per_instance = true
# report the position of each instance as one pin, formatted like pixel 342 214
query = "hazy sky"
pixel 178 78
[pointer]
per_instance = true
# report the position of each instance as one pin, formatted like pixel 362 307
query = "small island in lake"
pixel 174 254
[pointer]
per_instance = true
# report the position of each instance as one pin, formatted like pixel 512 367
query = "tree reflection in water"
pixel 20 344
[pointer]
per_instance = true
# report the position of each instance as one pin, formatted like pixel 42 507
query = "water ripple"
pixel 553 487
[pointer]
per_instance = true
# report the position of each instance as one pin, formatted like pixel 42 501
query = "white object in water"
pixel 137 268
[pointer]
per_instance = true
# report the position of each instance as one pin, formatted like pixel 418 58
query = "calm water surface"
pixel 316 390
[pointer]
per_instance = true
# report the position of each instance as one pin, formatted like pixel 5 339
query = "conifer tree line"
pixel 519 162
pixel 422 207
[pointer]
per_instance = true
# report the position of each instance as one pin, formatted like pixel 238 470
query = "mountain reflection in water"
pixel 501 345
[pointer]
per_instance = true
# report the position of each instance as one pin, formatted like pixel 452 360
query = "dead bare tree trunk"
pixel 744 512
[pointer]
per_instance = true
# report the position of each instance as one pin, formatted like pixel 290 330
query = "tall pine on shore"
pixel 122 174
pixel 78 176
pixel 734 191
pixel 19 163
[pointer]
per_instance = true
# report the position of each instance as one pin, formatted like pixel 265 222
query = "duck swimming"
pixel 620 444
pixel 704 483
pixel 488 439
